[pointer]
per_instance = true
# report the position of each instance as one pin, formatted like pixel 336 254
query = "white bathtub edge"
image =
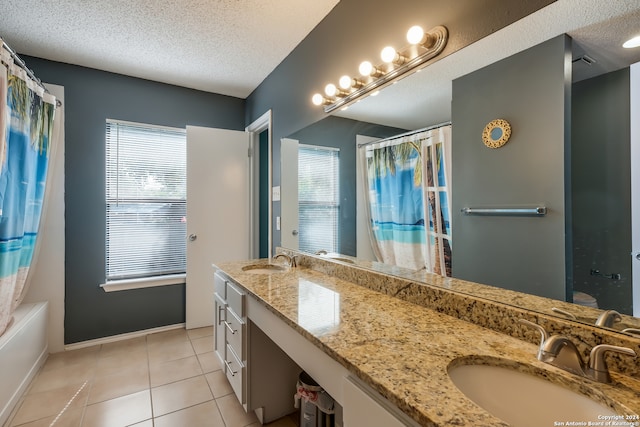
pixel 23 351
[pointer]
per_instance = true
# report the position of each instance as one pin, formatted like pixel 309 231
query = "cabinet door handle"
pixel 233 373
pixel 228 325
pixel 220 310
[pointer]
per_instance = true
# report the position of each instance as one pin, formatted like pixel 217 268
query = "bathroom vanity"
pixel 260 373
pixel 384 358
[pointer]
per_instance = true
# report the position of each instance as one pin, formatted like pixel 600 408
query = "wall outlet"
pixel 278 223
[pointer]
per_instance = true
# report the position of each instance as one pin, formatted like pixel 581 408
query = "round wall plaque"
pixel 496 133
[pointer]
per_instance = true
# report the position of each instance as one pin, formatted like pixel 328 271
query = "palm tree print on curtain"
pixel 435 154
pixel 409 200
pixel 397 203
pixel 27 123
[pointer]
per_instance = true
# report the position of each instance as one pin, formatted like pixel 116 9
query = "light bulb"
pixel 391 56
pixel 366 68
pixel 388 54
pixel 317 99
pixel 345 82
pixel 330 90
pixel 631 43
pixel 415 34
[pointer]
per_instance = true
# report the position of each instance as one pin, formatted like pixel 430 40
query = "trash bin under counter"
pixel 316 405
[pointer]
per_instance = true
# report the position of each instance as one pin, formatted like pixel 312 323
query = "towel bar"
pixel 536 211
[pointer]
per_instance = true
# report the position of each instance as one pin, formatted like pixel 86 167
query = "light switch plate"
pixel 278 223
pixel 275 194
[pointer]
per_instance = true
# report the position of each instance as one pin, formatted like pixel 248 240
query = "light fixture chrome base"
pixel 440 33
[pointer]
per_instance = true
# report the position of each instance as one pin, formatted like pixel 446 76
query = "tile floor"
pixel 163 380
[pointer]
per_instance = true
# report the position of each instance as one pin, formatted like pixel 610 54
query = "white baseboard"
pixel 122 337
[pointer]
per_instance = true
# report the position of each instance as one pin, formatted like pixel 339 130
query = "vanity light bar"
pixel 394 66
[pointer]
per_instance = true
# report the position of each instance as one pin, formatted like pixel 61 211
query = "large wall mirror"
pixel 599 264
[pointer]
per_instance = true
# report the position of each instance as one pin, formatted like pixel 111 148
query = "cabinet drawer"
pixel 235 332
pixel 235 299
pixel 220 285
pixel 235 370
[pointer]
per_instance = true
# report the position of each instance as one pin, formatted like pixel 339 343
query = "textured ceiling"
pixel 598 28
pixel 221 46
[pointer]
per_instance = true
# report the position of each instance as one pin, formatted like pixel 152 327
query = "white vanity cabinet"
pixel 230 333
pixel 262 376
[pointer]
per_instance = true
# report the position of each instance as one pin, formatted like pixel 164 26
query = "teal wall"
pixel 531 90
pixel 91 97
pixel 601 188
pixel 264 194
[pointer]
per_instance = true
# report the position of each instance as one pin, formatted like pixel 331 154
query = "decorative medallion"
pixel 496 133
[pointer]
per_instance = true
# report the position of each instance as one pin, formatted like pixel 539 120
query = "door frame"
pixel 634 110
pixel 258 126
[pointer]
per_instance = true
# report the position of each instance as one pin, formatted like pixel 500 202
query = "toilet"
pixel 584 299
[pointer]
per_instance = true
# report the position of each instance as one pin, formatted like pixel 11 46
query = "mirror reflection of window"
pixel 318 198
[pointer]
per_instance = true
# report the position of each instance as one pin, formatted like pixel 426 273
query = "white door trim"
pixel 635 185
pixel 259 125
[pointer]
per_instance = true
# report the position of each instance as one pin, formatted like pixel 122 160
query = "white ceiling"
pixel 231 46
pixel 598 28
pixel 222 46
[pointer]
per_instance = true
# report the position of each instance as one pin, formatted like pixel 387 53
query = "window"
pixel 318 198
pixel 145 200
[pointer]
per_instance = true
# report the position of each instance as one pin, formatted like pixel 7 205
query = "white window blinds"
pixel 318 198
pixel 146 200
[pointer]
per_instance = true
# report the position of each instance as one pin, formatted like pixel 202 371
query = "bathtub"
pixel 23 350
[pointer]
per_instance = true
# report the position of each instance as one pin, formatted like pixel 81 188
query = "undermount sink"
pixel 522 399
pixel 264 268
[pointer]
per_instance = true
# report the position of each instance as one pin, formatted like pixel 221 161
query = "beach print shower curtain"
pixel 409 197
pixel 26 123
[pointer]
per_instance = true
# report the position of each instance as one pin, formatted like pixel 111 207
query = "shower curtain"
pixel 26 124
pixel 409 195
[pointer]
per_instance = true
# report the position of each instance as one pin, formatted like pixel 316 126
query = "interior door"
pixel 635 185
pixel 218 217
pixel 289 193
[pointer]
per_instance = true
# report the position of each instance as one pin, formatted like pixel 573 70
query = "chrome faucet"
pixel 564 313
pixel 291 260
pixel 321 252
pixel 632 331
pixel 561 352
pixel 608 318
pixel 543 334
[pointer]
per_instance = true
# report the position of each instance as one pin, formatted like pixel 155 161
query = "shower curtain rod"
pixel 402 135
pixel 23 65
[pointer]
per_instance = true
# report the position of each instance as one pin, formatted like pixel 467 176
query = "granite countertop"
pixel 404 350
pixel 536 303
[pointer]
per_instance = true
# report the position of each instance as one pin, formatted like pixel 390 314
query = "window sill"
pixel 145 282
